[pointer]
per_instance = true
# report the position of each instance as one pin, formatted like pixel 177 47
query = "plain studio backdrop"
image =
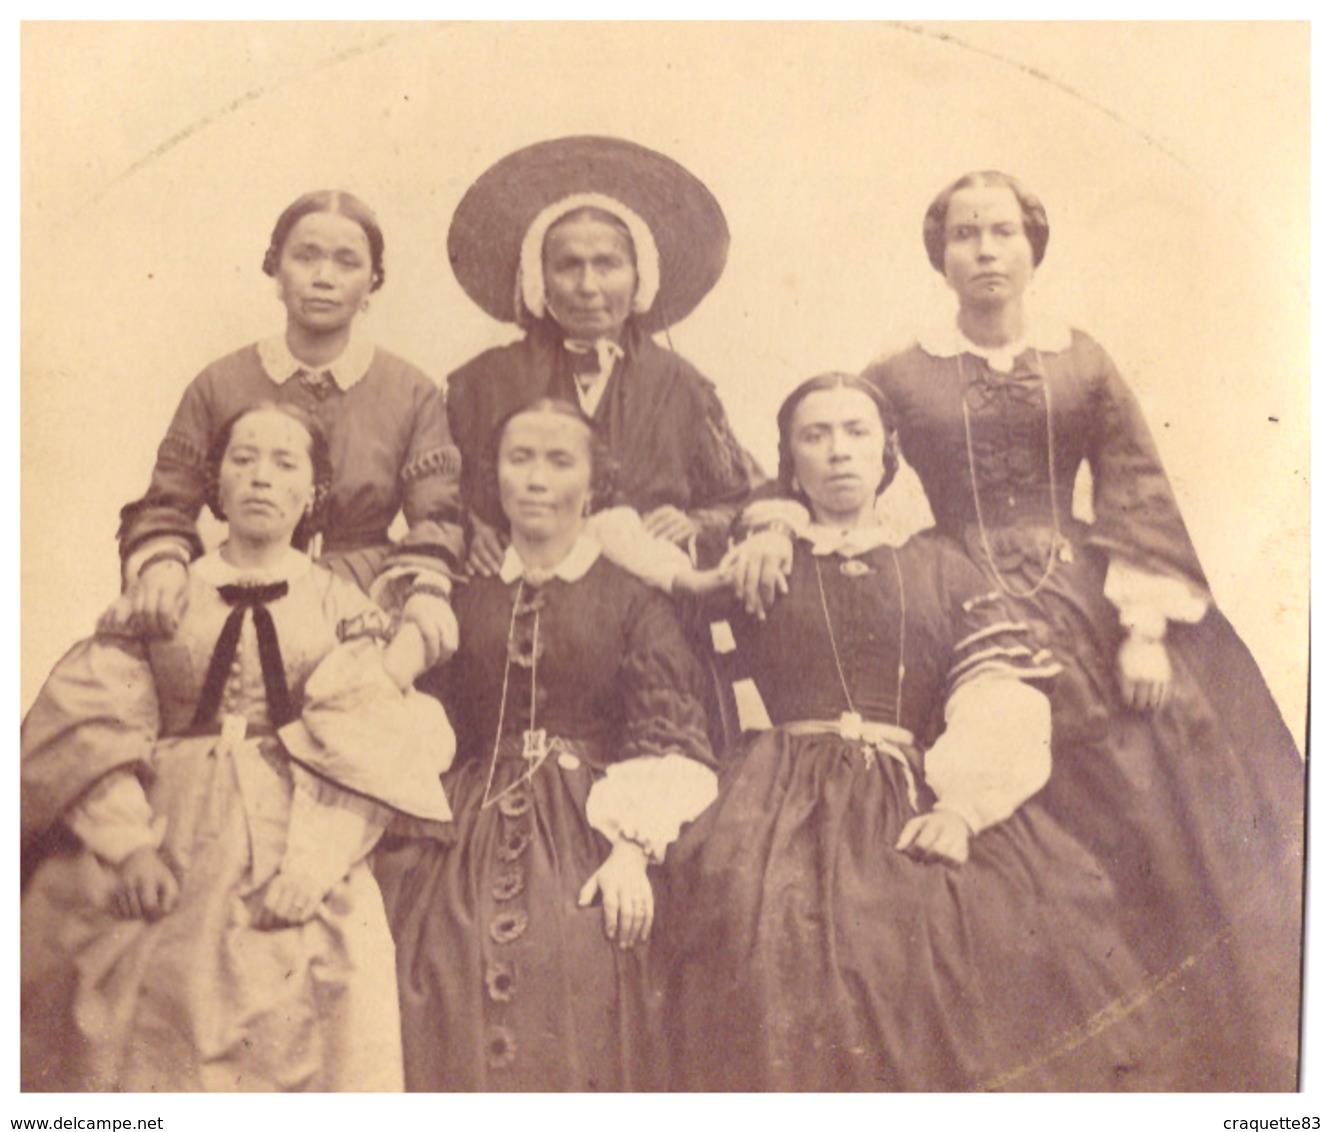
pixel 1173 159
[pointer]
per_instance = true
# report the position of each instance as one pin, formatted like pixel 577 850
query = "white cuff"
pixel 1147 601
pixel 113 818
pixel 994 754
pixel 645 800
pixel 625 542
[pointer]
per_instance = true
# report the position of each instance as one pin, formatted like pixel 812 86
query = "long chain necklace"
pixel 852 722
pixel 1057 548
pixel 534 745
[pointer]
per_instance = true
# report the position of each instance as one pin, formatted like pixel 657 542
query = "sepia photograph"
pixel 673 557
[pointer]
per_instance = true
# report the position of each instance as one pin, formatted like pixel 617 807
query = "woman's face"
pixel 266 479
pixel 987 257
pixel 325 272
pixel 545 475
pixel 836 441
pixel 590 279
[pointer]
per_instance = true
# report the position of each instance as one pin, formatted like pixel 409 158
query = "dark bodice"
pixel 1074 396
pixel 947 602
pixel 611 666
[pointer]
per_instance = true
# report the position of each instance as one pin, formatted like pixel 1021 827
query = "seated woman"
pixel 212 924
pixel 591 244
pixel 869 904
pixel 1172 764
pixel 385 420
pixel 582 748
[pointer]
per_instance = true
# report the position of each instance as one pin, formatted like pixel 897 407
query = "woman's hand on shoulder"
pixel 147 889
pixel 938 836
pixel 158 598
pixel 759 567
pixel 485 551
pixel 289 900
pixel 626 894
pixel 1144 672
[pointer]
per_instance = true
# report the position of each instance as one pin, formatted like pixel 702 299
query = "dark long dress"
pixel 808 953
pixel 1196 809
pixel 505 984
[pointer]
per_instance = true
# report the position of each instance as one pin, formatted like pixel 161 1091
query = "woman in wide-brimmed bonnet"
pixel 592 244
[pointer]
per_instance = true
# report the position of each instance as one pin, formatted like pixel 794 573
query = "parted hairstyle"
pixel 1033 218
pixel 328 200
pixel 320 457
pixel 604 468
pixel 785 470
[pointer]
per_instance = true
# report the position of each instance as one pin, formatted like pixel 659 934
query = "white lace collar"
pixel 280 364
pixel 574 566
pixel 217 571
pixel 945 340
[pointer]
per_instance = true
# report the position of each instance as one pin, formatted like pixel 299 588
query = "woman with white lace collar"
pixel 873 902
pixel 1171 761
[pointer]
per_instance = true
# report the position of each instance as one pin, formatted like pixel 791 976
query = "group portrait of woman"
pixel 522 728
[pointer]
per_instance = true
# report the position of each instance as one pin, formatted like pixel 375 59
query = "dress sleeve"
pixel 721 473
pixel 665 777
pixel 1136 517
pixel 993 753
pixel 431 551
pixel 97 712
pixel 170 508
pixel 627 544
pixel 114 818
pixel 358 731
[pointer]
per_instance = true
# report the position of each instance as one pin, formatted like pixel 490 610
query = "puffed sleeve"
pixel 665 777
pixel 168 511
pixel 357 730
pixel 994 752
pixel 1136 517
pixel 96 713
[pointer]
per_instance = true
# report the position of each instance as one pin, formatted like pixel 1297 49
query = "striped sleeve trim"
pixel 1005 668
pixel 445 461
pixel 992 630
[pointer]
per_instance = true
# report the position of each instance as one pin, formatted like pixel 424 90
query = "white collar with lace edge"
pixel 217 571
pixel 945 340
pixel 575 564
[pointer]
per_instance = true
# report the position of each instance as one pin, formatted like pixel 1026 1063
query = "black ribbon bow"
pixel 275 689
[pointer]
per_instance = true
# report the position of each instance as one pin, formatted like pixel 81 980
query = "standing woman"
pixel 209 922
pixel 591 245
pixel 872 902
pixel 1171 762
pixel 582 748
pixel 385 420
